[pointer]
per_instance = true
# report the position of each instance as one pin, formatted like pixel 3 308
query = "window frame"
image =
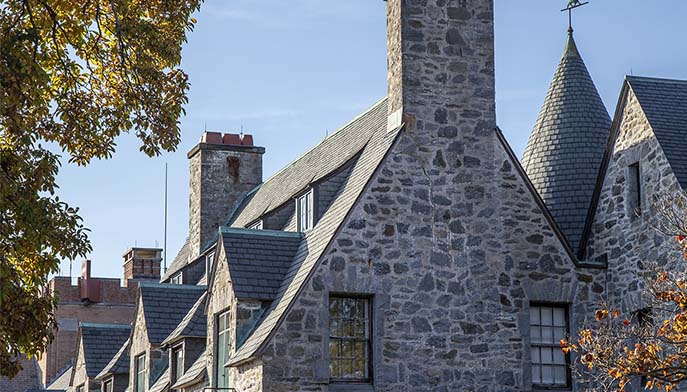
pixel 177 278
pixel 108 382
pixel 140 371
pixel 369 380
pixel 209 263
pixel 568 373
pixel 174 366
pixel 220 362
pixel 81 388
pixel 307 197
pixel 257 225
pixel 635 195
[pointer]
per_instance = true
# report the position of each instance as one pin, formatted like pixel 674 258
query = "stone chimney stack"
pixel 441 67
pixel 224 168
pixel 142 264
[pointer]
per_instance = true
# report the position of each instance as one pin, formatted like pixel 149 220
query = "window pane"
pixel 561 376
pixel 349 338
pixel 534 316
pixel 546 316
pixel 559 317
pixel 548 325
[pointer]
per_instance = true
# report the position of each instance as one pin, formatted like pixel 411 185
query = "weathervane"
pixel 572 4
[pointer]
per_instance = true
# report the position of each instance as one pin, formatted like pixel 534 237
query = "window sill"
pixel 352 387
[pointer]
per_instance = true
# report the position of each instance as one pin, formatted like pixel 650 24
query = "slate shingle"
pixel 194 323
pixel 566 147
pixel 165 305
pixel 100 343
pixel 664 103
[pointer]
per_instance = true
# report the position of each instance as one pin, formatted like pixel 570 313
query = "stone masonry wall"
pixel 139 345
pixel 447 239
pixel 221 298
pixel 80 375
pixel 630 242
pixel 216 186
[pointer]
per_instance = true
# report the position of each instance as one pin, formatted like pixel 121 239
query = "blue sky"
pixel 289 72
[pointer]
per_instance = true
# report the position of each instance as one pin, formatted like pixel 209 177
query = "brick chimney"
pixel 142 264
pixel 441 68
pixel 224 168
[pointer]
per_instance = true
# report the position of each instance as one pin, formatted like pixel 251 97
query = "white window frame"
pixel 140 369
pixel 177 361
pixel 256 225
pixel 108 385
pixel 549 323
pixel 222 331
pixel 209 263
pixel 177 278
pixel 305 211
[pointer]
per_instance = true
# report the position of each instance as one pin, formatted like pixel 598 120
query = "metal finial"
pixel 572 4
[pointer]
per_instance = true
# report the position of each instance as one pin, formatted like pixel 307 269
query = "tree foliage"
pixel 74 75
pixel 648 347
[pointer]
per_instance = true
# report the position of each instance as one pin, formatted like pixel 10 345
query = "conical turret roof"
pixel 565 149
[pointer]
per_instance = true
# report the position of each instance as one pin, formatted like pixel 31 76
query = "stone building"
pixel 411 250
pixel 97 344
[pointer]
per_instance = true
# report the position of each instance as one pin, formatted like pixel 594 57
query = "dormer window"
pixel 304 211
pixel 256 226
pixel 209 260
pixel 177 278
pixel 177 362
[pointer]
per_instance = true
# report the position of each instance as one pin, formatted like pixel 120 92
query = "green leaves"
pixel 77 74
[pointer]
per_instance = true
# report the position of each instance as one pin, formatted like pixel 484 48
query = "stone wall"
pixel 630 242
pixel 139 345
pixel 248 378
pixel 221 175
pixel 447 239
pixel 220 299
pixel 80 377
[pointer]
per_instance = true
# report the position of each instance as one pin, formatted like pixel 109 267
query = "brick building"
pixel 411 250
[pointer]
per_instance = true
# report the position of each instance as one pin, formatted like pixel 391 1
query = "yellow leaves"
pixel 601 314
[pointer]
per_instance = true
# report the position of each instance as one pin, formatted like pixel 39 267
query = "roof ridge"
pixel 157 285
pixel 103 325
pixel 654 79
pixel 356 118
pixel 261 232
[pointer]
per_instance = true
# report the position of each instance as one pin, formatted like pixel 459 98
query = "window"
pixel 140 385
pixel 349 339
pixel 107 385
pixel 635 190
pixel 177 278
pixel 256 226
pixel 209 260
pixel 305 211
pixel 80 388
pixel 548 325
pixel 177 362
pixel 223 349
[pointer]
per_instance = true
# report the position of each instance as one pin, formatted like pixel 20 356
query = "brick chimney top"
pixel 86 269
pixel 228 139
pixel 142 264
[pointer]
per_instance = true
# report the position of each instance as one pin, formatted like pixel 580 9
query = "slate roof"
pixel 162 383
pixel 194 324
pixel 165 305
pixel 180 261
pixel 369 135
pixel 61 383
pixel 664 103
pixel 566 147
pixel 119 364
pixel 330 154
pixel 258 260
pixel 194 374
pixel 100 343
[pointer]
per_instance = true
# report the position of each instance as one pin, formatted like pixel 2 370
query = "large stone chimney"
pixel 441 67
pixel 224 168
